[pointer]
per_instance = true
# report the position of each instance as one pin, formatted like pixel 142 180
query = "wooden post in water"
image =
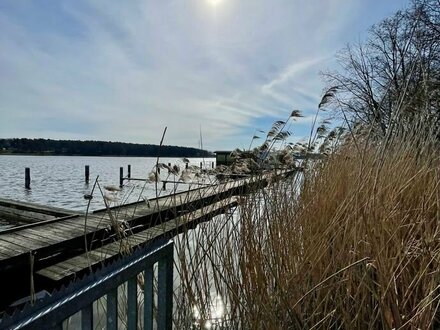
pixel 212 164
pixel 87 173
pixel 121 176
pixel 201 164
pixel 27 178
pixel 186 165
pixel 128 171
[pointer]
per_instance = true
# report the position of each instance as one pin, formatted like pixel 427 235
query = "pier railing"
pixel 51 312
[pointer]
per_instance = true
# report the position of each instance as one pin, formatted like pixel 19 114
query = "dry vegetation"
pixel 353 242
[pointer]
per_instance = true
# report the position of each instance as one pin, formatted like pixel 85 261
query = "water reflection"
pixel 27 192
pixel 214 317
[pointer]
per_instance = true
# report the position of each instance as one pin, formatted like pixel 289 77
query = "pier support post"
pixel 87 173
pixel 128 171
pixel 121 176
pixel 27 178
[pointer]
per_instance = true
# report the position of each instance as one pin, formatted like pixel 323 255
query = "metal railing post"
pixel 148 298
pixel 165 293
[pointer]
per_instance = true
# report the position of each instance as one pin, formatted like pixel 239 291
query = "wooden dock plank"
pixel 97 255
pixel 73 223
pixel 42 209
pixel 17 215
pixel 38 234
pixel 65 238
pixel 31 239
pixel 61 232
pixel 139 214
pixel 57 271
pixel 12 247
pixel 110 249
pixel 77 263
pixel 92 221
pixel 27 245
pixel 135 240
pixel 56 236
pixel 81 262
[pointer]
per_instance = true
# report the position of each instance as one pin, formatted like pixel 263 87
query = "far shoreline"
pixel 79 155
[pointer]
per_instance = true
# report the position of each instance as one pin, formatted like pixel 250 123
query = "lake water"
pixel 59 181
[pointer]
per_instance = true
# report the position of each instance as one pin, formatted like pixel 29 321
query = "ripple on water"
pixel 59 180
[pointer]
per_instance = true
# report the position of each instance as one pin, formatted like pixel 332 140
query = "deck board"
pixel 77 263
pixel 12 248
pixel 163 215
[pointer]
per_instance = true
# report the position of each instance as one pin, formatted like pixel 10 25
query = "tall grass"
pixel 352 242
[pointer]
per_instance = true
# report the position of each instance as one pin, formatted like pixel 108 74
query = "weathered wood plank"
pixel 26 245
pixel 55 235
pixel 56 272
pixel 55 211
pixel 38 234
pixel 24 216
pixel 5 252
pixel 32 240
pixel 100 254
pixel 60 233
pixel 178 210
pixel 12 247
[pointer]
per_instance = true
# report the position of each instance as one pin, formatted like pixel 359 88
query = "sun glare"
pixel 214 2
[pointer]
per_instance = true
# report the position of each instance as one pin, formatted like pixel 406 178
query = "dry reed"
pixel 353 242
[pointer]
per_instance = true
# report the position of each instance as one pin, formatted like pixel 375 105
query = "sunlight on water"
pixel 215 316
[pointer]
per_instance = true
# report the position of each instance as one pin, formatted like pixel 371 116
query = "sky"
pixel 210 70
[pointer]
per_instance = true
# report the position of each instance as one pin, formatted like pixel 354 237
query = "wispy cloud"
pixel 123 71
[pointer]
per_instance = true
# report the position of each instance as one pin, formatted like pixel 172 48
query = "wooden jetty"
pixel 59 245
pixel 27 213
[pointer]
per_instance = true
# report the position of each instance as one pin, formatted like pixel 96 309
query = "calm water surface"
pixel 59 180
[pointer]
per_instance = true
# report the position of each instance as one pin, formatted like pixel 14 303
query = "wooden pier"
pixel 57 245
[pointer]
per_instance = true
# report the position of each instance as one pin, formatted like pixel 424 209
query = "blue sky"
pixel 123 70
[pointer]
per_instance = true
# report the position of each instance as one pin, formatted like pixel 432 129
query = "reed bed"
pixel 350 242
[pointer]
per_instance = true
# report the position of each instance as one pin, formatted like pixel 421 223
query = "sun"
pixel 214 2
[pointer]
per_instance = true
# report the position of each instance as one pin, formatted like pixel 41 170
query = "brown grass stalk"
pixel 353 242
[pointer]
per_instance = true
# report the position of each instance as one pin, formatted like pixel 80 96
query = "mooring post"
pixel 186 165
pixel 212 164
pixel 201 164
pixel 87 173
pixel 128 171
pixel 121 176
pixel 27 178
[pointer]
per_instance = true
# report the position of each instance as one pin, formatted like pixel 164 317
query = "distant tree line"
pixel 95 148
